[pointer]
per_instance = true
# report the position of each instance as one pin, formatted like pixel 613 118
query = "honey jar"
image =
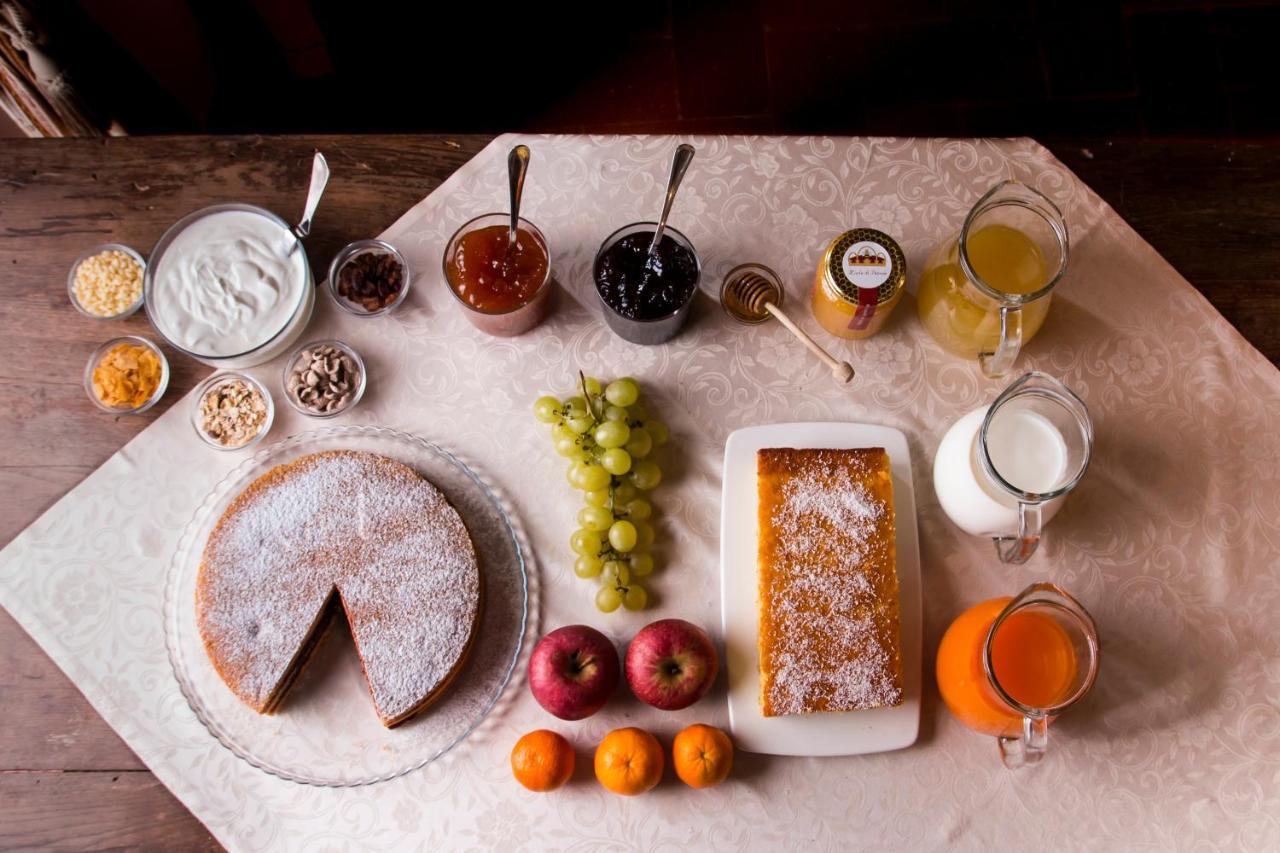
pixel 860 279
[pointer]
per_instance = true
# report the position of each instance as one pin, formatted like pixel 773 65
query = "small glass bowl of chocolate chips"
pixel 324 378
pixel 368 278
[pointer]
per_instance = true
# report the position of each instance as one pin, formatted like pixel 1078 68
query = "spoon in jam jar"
pixel 517 168
pixel 679 165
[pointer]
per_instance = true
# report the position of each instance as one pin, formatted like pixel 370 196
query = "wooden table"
pixel 66 779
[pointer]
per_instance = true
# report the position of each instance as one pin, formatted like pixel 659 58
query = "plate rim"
pixel 169 612
pixel 914 703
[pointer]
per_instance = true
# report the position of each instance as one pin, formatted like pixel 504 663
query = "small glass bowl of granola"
pixel 233 411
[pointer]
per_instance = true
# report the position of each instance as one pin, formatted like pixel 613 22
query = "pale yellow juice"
pixel 962 319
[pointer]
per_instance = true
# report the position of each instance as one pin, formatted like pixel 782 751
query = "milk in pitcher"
pixel 1027 450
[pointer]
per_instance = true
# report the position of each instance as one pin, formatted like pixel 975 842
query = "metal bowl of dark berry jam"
pixel 646 300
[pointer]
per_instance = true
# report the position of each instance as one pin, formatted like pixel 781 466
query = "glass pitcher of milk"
pixel 1004 470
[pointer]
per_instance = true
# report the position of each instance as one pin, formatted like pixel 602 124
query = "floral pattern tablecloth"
pixel 1172 540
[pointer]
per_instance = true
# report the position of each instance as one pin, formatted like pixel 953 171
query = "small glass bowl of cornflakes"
pixel 126 375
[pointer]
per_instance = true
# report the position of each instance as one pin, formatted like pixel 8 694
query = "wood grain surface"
pixel 66 780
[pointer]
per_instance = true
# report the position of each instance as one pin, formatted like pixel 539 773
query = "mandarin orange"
pixel 542 760
pixel 702 756
pixel 629 761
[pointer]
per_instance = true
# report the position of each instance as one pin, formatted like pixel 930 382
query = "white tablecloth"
pixel 1172 540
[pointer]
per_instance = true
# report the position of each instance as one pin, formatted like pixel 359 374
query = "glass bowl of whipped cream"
pixel 229 285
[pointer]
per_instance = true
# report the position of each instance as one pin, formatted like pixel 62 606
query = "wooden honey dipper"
pixel 751 292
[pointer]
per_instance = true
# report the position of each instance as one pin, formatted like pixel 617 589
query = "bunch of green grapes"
pixel 607 437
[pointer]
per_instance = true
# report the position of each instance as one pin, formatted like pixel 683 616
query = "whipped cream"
pixel 227 283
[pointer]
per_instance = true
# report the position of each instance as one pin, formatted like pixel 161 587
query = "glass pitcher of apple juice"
pixel 985 291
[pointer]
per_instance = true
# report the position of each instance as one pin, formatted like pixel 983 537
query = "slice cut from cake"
pixel 828 582
pixel 340 529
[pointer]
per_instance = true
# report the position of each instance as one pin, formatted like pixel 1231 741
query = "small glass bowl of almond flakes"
pixel 105 283
pixel 232 411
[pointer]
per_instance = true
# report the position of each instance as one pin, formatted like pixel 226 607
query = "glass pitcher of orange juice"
pixel 985 292
pixel 1008 666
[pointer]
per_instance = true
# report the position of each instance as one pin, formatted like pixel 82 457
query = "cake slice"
pixel 829 635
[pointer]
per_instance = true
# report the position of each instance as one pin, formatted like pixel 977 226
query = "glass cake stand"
pixel 326 732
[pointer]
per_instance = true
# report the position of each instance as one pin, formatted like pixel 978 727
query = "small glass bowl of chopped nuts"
pixel 105 283
pixel 323 379
pixel 369 278
pixel 232 411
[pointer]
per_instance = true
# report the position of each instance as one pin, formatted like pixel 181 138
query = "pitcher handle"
pixel 1018 549
pixel 997 364
pixel 1028 749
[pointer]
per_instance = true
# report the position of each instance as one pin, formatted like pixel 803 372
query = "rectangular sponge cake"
pixel 829 635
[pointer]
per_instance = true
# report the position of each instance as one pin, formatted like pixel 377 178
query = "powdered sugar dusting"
pixel 385 539
pixel 829 594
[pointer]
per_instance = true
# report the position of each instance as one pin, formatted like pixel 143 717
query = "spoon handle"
pixel 517 168
pixel 841 370
pixel 319 180
pixel 679 165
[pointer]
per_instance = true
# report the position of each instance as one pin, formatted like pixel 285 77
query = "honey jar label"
pixel 865 311
pixel 866 264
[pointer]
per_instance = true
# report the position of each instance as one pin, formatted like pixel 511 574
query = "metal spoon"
pixel 679 165
pixel 517 167
pixel 752 292
pixel 319 180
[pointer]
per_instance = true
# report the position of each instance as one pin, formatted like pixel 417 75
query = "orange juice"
pixel 1032 657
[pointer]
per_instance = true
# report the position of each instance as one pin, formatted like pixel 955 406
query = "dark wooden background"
pixel 1155 68
pixel 66 780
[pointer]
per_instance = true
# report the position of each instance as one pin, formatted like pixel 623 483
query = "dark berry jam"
pixel 640 288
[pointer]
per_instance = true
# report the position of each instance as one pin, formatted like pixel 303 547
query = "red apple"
pixel 573 671
pixel 671 664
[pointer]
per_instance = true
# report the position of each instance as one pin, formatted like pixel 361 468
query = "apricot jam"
pixel 492 277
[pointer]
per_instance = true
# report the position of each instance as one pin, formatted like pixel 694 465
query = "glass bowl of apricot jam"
pixel 504 288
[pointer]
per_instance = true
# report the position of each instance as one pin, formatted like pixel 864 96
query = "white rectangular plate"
pixel 844 733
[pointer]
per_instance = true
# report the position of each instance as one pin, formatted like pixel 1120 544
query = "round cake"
pixel 340 529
